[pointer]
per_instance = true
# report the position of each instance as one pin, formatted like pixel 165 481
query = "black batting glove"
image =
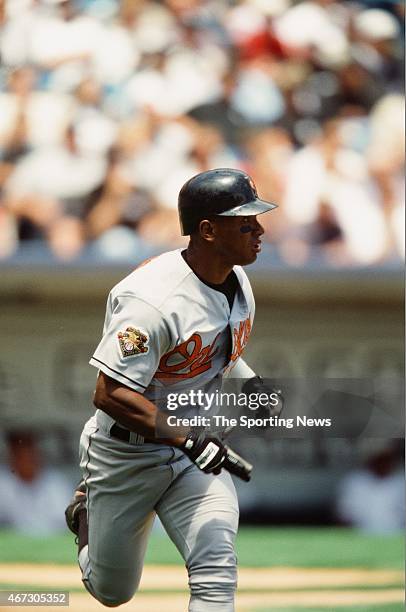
pixel 211 456
pixel 257 385
pixel 207 452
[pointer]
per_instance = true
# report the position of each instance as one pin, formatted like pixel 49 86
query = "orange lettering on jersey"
pixel 240 338
pixel 190 357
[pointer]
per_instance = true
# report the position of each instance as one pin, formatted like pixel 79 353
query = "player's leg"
pixel 120 512
pixel 200 514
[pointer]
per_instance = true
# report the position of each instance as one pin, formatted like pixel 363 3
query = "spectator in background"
pixel 31 118
pixel 115 57
pixel 306 96
pixel 47 192
pixel 113 219
pixel 14 120
pixel 376 45
pixel 33 497
pixel 95 130
pixel 373 498
pixel 8 233
pixel 385 155
pixel 63 40
pixel 17 18
pixel 220 113
pixel 268 153
pixel 328 169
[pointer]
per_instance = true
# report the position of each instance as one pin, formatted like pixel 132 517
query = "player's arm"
pixel 135 412
pixel 254 384
pixel 241 370
pixel 131 409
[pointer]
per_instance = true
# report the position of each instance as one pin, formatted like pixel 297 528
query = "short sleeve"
pixel 240 370
pixel 134 339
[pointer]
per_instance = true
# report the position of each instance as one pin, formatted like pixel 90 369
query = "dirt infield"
pixel 170 578
pixel 259 588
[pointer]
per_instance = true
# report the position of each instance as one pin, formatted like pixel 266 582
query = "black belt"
pixel 124 434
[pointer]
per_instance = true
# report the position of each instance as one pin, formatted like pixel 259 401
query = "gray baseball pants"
pixel 127 484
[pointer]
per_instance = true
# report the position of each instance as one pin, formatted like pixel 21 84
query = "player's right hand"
pixel 207 452
pixel 211 456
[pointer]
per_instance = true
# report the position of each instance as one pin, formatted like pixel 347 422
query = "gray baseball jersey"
pixel 164 329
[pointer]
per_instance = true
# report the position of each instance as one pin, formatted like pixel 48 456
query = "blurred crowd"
pixel 34 493
pixel 369 495
pixel 107 107
pixel 372 497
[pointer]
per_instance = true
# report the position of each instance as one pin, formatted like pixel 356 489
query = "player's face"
pixel 237 239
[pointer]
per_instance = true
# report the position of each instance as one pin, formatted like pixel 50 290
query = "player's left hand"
pixel 257 385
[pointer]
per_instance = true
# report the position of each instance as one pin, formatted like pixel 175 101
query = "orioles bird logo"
pixel 132 342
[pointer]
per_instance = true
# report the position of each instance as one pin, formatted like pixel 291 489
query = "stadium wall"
pixel 309 325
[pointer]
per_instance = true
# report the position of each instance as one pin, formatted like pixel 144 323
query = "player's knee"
pixel 114 600
pixel 109 595
pixel 112 587
pixel 114 603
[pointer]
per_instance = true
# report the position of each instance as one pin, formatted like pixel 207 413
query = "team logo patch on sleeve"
pixel 132 342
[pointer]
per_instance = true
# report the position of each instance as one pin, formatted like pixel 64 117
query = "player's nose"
pixel 257 229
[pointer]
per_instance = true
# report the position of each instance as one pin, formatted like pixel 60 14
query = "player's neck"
pixel 209 268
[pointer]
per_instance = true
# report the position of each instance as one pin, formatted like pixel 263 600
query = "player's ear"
pixel 206 230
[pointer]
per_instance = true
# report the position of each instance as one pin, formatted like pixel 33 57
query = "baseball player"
pixel 181 319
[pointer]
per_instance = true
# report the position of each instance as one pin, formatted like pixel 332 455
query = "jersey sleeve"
pixel 240 370
pixel 134 339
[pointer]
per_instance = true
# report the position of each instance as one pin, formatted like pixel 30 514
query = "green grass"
pixel 256 547
pixel 322 547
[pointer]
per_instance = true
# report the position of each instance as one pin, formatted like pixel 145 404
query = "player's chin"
pixel 247 258
pixel 246 255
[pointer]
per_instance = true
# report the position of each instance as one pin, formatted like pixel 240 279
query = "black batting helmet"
pixel 225 191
